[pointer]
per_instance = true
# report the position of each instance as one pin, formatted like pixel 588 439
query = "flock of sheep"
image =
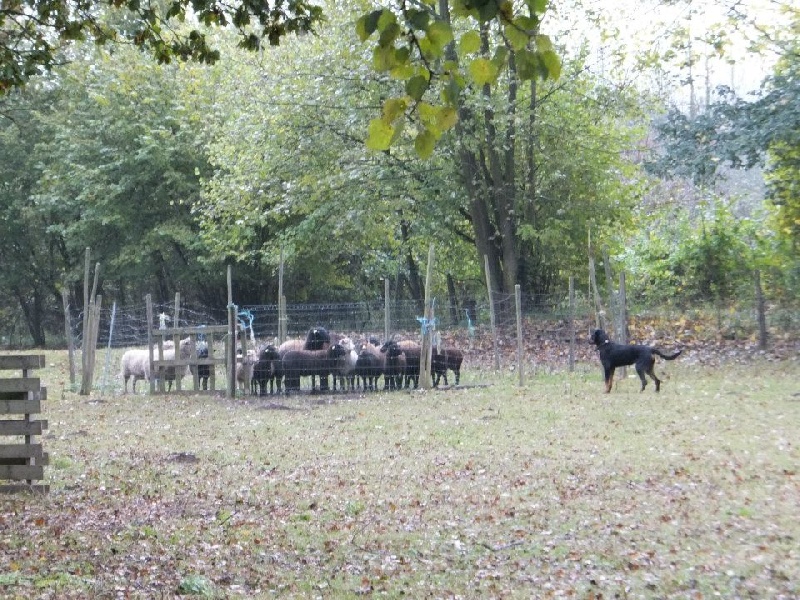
pixel 322 354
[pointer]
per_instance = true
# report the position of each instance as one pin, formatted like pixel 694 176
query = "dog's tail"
pixel 667 356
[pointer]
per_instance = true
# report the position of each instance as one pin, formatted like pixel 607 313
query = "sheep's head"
pixel 268 352
pixel 347 344
pixel 391 348
pixel 317 338
pixel 336 351
pixel 187 347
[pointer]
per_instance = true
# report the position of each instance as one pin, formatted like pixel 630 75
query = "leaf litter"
pixel 553 490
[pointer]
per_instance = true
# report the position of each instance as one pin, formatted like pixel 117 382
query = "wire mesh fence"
pixel 488 332
pixel 130 324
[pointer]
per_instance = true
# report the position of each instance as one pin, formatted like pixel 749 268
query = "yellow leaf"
pixel 379 134
pixel 482 71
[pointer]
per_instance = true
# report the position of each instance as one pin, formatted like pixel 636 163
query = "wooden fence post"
pixel 491 313
pixel 90 343
pixel 520 366
pixel 68 335
pixel 426 380
pixel 761 310
pixel 571 324
pixel 282 319
pixel 387 323
pixel 231 351
pixel 149 305
pixel 108 348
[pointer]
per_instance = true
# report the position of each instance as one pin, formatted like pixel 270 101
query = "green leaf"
pixel 487 10
pixel 383 58
pixel 448 117
pixel 463 8
pixel 416 87
pixel 544 43
pixel 439 35
pixel 367 25
pixel 389 34
pixel 437 119
pixel 517 37
pixel 402 71
pixel 393 108
pixel 527 65
pixel 386 19
pixel 552 64
pixel 418 19
pixel 424 144
pixel 537 6
pixel 469 43
pixel 500 57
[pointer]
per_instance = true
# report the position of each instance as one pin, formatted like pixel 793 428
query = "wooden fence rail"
pixel 22 459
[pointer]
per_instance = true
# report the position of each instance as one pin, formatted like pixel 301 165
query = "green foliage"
pixel 418 43
pixel 196 585
pixel 691 259
pixel 292 176
pixel 778 118
pixel 738 133
pixel 109 159
pixel 34 32
pixel 127 172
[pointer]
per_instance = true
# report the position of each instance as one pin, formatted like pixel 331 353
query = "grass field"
pixel 491 491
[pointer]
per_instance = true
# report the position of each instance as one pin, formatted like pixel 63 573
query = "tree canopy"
pixel 34 33
pixel 171 170
pixel 741 133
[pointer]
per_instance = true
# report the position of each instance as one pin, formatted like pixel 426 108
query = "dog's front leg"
pixel 609 375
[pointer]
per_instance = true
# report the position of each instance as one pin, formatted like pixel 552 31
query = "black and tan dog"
pixel 621 355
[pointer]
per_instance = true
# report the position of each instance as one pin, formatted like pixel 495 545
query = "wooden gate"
pixel 21 457
pixel 212 336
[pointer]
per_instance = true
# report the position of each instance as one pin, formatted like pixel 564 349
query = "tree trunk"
pixel 414 277
pixel 451 293
pixel 34 315
pixel 470 169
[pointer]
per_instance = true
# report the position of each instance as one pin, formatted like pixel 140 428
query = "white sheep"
pixel 171 373
pixel 135 363
pixel 244 370
pixel 347 365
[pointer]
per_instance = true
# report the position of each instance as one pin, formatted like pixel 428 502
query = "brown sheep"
pixel 444 359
